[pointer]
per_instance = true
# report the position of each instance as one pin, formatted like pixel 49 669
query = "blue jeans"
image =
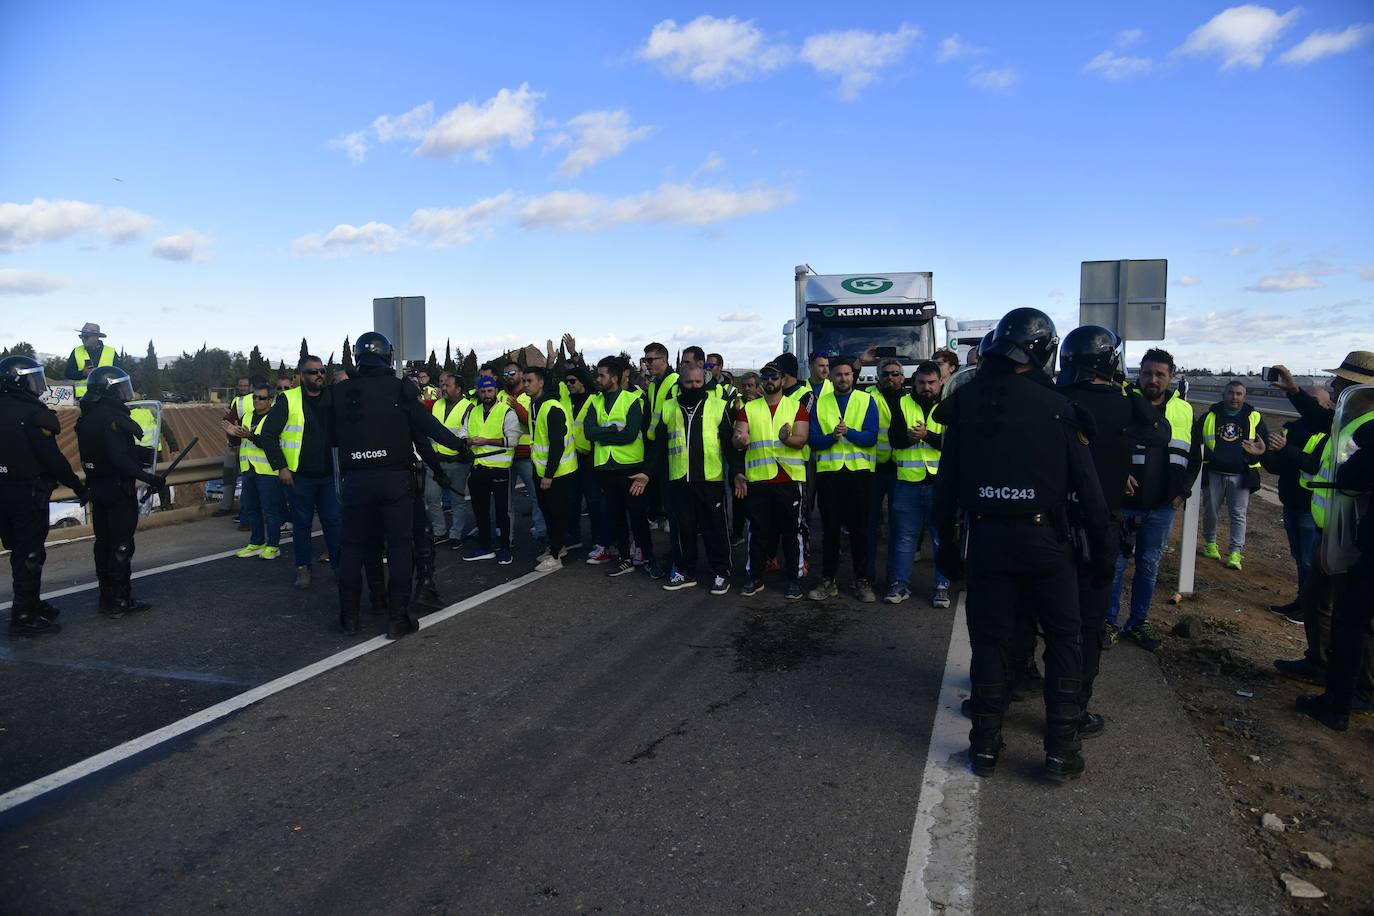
pixel 879 488
pixel 1152 532
pixel 313 494
pixel 913 510
pixel 1303 539
pixel 463 519
pixel 262 502
pixel 523 469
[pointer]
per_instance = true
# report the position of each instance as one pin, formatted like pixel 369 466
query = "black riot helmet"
pixel 1025 336
pixel 372 349
pixel 983 345
pixel 1089 352
pixel 22 373
pixel 109 382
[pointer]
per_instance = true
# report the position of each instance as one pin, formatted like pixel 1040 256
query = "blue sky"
pixel 251 173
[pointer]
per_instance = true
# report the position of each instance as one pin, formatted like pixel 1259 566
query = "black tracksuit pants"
pixel 114 516
pixel 699 509
pixel 378 509
pixel 620 507
pixel 554 503
pixel 1014 564
pixel 843 497
pixel 1093 599
pixel 488 486
pixel 23 529
pixel 775 517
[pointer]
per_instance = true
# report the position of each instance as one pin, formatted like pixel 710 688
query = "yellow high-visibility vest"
pixel 539 445
pixel 1321 496
pixel 453 418
pixel 82 356
pixel 293 433
pixel 844 454
pixel 675 421
pixel 629 454
pixel 251 454
pixel 492 425
pixel 1209 435
pixel 919 459
pixel 766 454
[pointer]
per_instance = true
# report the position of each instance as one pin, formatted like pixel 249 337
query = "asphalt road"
pixel 580 744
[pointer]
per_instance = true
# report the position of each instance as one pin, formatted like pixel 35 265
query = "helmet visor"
pixel 33 379
pixel 120 388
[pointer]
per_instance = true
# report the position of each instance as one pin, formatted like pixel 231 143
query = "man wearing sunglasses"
pixel 522 469
pixel 262 499
pixel 773 431
pixel 295 437
pixel 615 427
pixel 887 397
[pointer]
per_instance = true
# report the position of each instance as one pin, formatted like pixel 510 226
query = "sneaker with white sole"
pixel 478 552
pixel 677 581
pixel 548 564
pixel 941 598
pixel 599 555
pixel 720 585
pixel 620 568
pixel 252 550
pixel 270 553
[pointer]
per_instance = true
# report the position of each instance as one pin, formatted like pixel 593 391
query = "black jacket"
pixel 1290 462
pixel 28 442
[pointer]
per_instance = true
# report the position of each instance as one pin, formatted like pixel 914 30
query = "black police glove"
pixel 83 495
pixel 155 481
pixel 948 560
pixel 443 480
pixel 1102 569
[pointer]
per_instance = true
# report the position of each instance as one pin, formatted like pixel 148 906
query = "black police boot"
pixel 1320 708
pixel 49 612
pixel 1061 766
pixel 403 621
pixel 349 606
pixel 424 571
pixel 31 623
pixel 380 603
pixel 127 603
pixel 106 603
pixel 1027 683
pixel 1091 725
pixel 983 760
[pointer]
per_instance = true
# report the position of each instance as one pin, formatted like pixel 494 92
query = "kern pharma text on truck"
pixel 881 315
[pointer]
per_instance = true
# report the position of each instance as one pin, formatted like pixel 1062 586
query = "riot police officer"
pixel 374 419
pixel 30 464
pixel 1091 376
pixel 113 461
pixel 1014 449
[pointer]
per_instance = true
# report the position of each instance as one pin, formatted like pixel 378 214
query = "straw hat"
pixel 1358 367
pixel 90 327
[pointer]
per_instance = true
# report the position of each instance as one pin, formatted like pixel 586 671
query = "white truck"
pixel 889 314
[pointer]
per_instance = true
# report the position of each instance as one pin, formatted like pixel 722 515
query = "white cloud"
pixel 742 317
pixel 187 245
pixel 712 52
pixel 993 80
pixel 354 144
pixel 22 225
pixel 1323 44
pixel 712 163
pixel 1187 280
pixel 1366 273
pixel 345 239
pixel 28 282
pixel 1113 66
pixel 1289 282
pixel 1242 35
pixel 856 56
pixel 675 204
pixel 1252 221
pixel 458 225
pixel 1242 251
pixel 597 136
pixel 505 118
pixel 409 126
pixel 954 47
pixel 1127 37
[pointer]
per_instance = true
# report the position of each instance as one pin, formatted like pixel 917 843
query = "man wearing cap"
pixel 89 355
pixel 492 428
pixel 522 468
pixel 773 430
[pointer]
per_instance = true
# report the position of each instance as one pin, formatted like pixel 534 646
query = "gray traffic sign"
pixel 402 320
pixel 1127 297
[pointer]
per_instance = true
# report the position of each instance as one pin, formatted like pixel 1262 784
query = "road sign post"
pixel 402 320
pixel 1127 297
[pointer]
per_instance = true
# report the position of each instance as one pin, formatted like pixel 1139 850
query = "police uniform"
pixel 1014 449
pixel 374 419
pixel 107 436
pixel 30 464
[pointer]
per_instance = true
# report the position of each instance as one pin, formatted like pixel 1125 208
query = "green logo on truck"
pixel 867 286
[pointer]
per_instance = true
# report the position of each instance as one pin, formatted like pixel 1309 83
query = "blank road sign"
pixel 1127 297
pixel 402 320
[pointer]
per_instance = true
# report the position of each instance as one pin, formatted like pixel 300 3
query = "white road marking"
pixel 940 866
pixel 63 777
pixel 77 589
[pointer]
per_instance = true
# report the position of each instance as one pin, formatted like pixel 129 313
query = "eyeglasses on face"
pixel 770 376
pixel 892 373
pixel 262 397
pixel 510 373
pixel 713 365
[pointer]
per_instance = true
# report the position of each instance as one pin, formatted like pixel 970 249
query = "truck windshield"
pixel 910 343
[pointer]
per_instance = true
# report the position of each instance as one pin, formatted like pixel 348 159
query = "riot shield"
pixel 148 415
pixel 1354 408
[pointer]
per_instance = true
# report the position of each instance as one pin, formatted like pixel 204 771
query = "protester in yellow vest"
pixel 916 438
pixel 553 453
pixel 773 431
pixel 492 429
pixel 844 439
pixel 450 409
pixel 1232 438
pixel 577 394
pixel 262 498
pixel 1294 456
pixel 696 431
pixel 615 428
pixel 89 355
pixel 522 470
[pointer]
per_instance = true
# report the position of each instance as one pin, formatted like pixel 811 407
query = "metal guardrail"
pixel 195 470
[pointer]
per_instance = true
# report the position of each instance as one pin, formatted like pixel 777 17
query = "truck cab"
pixel 879 314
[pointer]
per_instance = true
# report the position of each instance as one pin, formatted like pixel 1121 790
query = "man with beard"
pixel 614 426
pixel 492 429
pixel 887 397
pixel 916 438
pixel 843 436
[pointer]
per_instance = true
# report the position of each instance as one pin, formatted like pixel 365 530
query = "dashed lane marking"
pixel 84 768
pixel 944 840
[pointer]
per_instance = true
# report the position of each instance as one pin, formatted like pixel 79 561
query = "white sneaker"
pixel 548 564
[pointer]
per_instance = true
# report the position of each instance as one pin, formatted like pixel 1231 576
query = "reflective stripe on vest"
pixel 679 446
pixel 491 426
pixel 917 461
pixel 82 357
pixel 453 419
pixel 524 401
pixel 251 454
pixel 883 449
pixel 539 446
pixel 1180 416
pixel 766 454
pixel 1209 435
pixel 243 406
pixel 293 433
pixel 844 454
pixel 1321 496
pixel 624 455
pixel 660 392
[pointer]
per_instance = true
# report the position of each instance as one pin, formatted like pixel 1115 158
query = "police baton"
pixel 173 466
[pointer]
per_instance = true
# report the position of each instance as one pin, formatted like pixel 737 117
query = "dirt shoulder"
pixel 1273 760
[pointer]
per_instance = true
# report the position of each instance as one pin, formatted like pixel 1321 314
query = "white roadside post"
pixel 1187 548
